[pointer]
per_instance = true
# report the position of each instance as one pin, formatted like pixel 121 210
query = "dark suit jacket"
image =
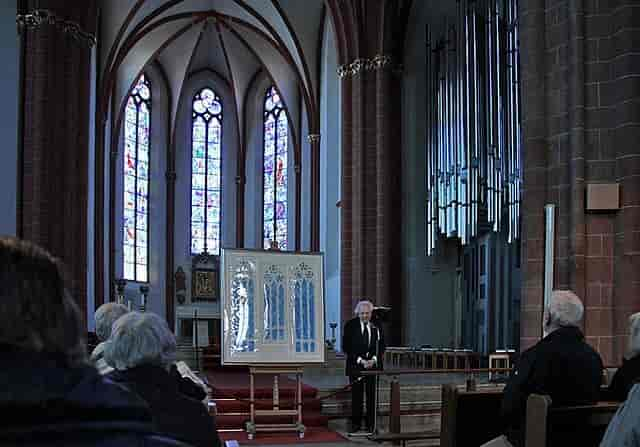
pixel 562 366
pixel 174 414
pixel 625 377
pixel 354 345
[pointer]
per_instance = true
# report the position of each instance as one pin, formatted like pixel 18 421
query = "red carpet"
pixel 231 394
pixel 313 434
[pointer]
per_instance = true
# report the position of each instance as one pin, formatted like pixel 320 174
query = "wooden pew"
pixel 582 425
pixel 404 437
pixel 469 418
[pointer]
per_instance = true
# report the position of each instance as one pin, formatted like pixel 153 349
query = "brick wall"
pixel 581 124
pixel 55 139
pixel 371 156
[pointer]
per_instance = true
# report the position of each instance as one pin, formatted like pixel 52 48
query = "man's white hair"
pixel 105 316
pixel 140 339
pixel 634 335
pixel 363 303
pixel 565 309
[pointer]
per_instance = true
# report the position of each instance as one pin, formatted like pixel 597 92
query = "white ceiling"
pixel 280 36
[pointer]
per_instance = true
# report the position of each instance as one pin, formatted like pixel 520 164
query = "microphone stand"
pixel 375 397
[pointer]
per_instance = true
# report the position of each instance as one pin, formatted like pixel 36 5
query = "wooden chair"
pixel 469 417
pixel 582 425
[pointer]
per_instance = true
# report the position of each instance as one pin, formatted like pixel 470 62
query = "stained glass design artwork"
pixel 304 309
pixel 206 161
pixel 274 308
pixel 243 328
pixel 135 243
pixel 275 171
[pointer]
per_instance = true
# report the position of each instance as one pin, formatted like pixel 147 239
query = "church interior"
pixel 454 162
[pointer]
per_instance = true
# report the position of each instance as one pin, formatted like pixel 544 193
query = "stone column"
pixel 372 35
pixel 58 37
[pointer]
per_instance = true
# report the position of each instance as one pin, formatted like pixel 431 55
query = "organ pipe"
pixel 473 133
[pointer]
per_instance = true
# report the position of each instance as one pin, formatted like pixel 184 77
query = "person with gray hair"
pixel 142 350
pixel 629 373
pixel 105 316
pixel 561 365
pixel 363 343
pixel 50 393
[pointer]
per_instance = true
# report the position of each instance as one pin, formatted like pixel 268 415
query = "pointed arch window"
pixel 136 182
pixel 275 206
pixel 206 156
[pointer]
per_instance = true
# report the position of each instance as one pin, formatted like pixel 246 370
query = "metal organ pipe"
pixel 473 122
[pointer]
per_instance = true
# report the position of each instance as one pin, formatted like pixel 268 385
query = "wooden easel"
pixel 276 371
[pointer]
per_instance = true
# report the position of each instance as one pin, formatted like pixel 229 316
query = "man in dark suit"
pixel 363 343
pixel 561 365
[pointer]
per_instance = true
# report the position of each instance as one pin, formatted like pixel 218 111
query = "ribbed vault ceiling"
pixel 235 38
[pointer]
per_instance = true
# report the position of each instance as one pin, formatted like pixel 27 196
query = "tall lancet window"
pixel 206 151
pixel 136 182
pixel 274 216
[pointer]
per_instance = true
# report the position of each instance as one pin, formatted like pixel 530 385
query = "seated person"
pixel 624 428
pixel 629 372
pixel 105 316
pixel 50 395
pixel 561 365
pixel 142 350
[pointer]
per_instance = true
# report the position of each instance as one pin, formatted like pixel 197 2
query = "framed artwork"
pixel 205 278
pixel 272 307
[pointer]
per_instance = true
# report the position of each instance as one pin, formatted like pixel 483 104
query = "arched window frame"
pixel 136 182
pixel 274 112
pixel 207 106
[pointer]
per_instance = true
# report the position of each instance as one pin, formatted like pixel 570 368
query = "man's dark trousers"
pixel 360 385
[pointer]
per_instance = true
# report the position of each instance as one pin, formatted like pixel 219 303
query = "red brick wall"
pixel 55 139
pixel 581 124
pixel 371 155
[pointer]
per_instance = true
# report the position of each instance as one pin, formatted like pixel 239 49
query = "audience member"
pixel 624 428
pixel 105 316
pixel 561 365
pixel 142 350
pixel 50 395
pixel 629 372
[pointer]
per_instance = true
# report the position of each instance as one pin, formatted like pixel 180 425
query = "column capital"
pixel 39 17
pixel 378 62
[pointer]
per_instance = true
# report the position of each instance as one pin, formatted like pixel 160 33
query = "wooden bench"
pixel 404 437
pixel 469 417
pixel 582 425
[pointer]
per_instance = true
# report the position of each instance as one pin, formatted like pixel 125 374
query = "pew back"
pixel 582 425
pixel 469 417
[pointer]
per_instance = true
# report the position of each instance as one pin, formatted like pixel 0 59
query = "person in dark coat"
pixel 364 345
pixel 561 365
pixel 104 317
pixel 50 394
pixel 142 349
pixel 629 373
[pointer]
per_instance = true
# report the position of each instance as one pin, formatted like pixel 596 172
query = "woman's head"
pixel 36 312
pixel 140 339
pixel 634 335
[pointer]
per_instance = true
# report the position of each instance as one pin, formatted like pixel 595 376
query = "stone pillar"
pixel 58 37
pixel 372 35
pixel 581 124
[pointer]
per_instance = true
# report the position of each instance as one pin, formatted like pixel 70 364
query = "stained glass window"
pixel 136 182
pixel 274 217
pixel 304 308
pixel 206 151
pixel 274 309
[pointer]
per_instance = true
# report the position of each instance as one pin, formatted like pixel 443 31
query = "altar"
pixel 201 320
